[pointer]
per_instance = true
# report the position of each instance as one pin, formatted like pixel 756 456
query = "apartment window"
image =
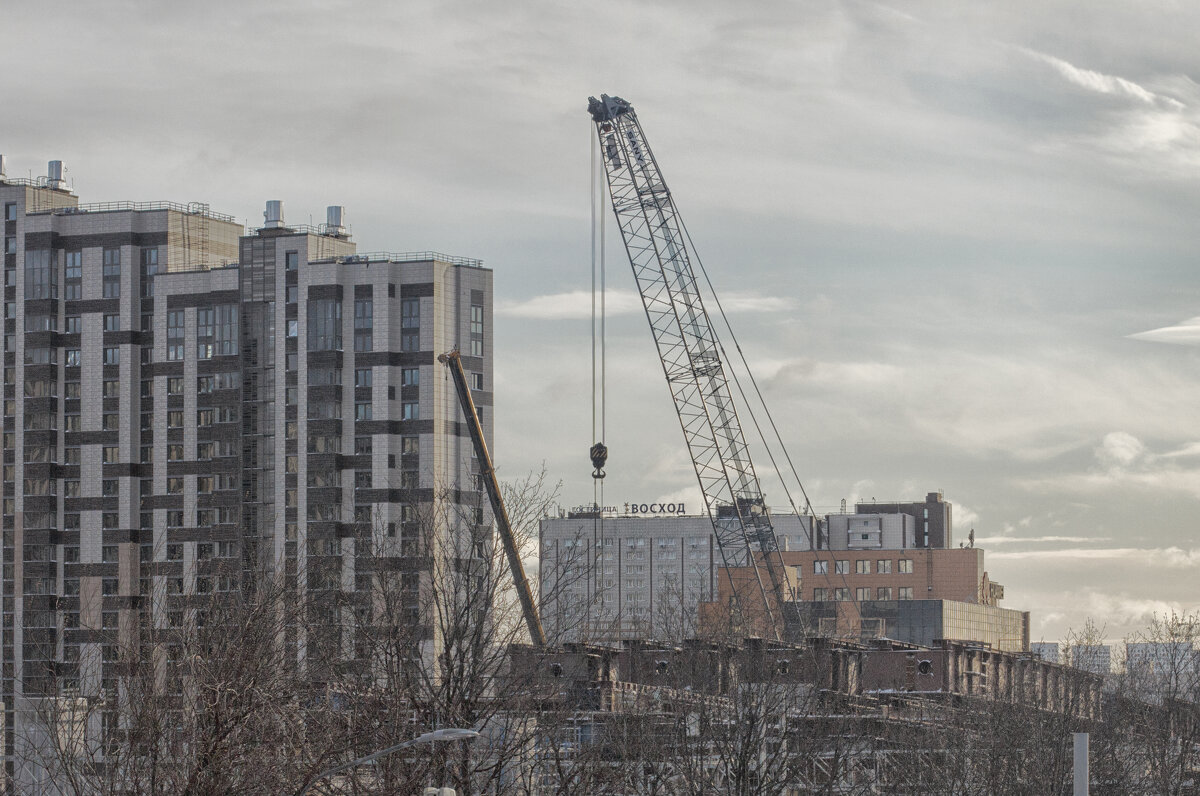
pixel 175 385
pixel 841 567
pixel 112 388
pixel 820 594
pixel 884 566
pixel 112 273
pixel 71 455
pixel 110 520
pixel 73 357
pixel 363 324
pixel 175 321
pixel 41 323
pixel 204 417
pixel 410 313
pixel 112 355
pixel 410 446
pixel 883 593
pixel 410 411
pixel 906 566
pixel 324 325
pixel 476 381
pixel 74 324
pixel 841 595
pixel 216 331
pixel 476 348
pixel 363 378
pixel 71 488
pixel 174 520
pixel 820 567
pixel 10 245
pixel 174 453
pixel 862 567
pixel 476 319
pixel 112 323
pixel 109 553
pixel 292 294
pixel 205 322
pixel 906 592
pixel 175 418
pixel 204 484
pixel 174 485
pixel 149 269
pixel 862 593
pixel 109 421
pixel 362 445
pixel 410 377
pixel 291 260
pixel 362 411
pixel 41 277
pixel 111 454
pixel 10 211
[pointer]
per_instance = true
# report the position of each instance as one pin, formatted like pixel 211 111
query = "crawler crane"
pixel 654 238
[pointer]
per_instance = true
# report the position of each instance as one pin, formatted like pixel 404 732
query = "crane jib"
pixel 688 349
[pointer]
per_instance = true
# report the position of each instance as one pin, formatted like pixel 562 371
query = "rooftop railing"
pixel 404 257
pixel 194 209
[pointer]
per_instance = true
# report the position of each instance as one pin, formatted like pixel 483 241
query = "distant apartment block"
pixel 1045 651
pixel 1095 658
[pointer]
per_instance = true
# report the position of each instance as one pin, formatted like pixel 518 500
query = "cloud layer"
pixel 937 230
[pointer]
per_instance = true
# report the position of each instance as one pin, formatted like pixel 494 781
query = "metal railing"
pixel 403 257
pixel 194 209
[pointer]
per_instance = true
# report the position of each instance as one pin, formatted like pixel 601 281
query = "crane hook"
pixel 599 454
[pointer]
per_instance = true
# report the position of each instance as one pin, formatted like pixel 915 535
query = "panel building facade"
pixel 188 406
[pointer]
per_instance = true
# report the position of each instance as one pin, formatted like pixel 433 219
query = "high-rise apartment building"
pixel 188 405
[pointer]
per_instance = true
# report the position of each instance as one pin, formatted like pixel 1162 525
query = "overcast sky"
pixel 958 239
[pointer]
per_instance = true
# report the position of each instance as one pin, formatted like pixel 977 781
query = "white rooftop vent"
pixel 3 165
pixel 54 176
pixel 334 218
pixel 273 214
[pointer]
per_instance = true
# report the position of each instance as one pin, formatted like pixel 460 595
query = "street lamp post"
pixel 445 734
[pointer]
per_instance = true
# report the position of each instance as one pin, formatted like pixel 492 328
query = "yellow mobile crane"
pixel 453 363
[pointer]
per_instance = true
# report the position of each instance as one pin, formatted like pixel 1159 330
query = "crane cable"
pixel 598 452
pixel 766 409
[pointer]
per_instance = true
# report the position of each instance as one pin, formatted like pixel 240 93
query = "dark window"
pixel 41 278
pixel 112 273
pixel 363 324
pixel 324 325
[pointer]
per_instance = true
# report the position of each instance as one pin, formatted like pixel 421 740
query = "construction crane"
pixel 453 363
pixel 654 238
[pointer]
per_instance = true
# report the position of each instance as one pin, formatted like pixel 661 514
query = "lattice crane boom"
pixel 687 347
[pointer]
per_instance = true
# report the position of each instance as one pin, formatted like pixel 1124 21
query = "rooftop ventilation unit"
pixel 273 214
pixel 334 215
pixel 3 165
pixel 54 176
